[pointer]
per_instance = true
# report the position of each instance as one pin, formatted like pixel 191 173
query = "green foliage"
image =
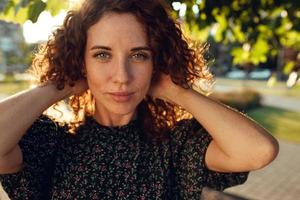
pixel 55 6
pixel 288 67
pixel 255 54
pixel 264 25
pixel 19 11
pixel 35 9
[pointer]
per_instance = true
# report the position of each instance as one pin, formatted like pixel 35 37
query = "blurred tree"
pixel 21 10
pixel 255 29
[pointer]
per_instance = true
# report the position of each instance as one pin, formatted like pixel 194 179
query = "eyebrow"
pixel 146 48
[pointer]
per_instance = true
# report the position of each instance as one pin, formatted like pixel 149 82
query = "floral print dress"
pixel 102 162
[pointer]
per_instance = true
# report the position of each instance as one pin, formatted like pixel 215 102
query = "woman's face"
pixel 118 63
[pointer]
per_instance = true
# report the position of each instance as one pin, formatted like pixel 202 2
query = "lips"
pixel 121 96
pixel 121 93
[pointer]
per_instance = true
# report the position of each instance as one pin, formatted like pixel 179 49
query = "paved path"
pixel 278 181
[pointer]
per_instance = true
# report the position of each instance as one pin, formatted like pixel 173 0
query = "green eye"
pixel 140 56
pixel 102 55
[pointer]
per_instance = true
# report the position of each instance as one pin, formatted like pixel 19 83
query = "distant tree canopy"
pixel 255 29
pixel 19 11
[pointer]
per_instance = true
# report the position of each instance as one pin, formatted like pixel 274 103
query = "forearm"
pixel 19 111
pixel 236 135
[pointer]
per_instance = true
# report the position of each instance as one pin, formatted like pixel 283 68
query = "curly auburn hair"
pixel 61 59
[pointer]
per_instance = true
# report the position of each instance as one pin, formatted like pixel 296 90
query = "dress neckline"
pixel 132 124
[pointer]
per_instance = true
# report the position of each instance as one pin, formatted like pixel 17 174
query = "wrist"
pixel 176 94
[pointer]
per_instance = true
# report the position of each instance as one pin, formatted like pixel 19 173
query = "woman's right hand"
pixel 80 87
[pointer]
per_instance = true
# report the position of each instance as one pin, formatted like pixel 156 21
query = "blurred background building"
pixel 11 48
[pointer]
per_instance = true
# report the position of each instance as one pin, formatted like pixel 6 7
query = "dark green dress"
pixel 101 162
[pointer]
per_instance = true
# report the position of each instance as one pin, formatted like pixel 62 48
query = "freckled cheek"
pixel 96 82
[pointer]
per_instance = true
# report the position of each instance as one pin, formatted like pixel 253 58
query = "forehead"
pixel 117 28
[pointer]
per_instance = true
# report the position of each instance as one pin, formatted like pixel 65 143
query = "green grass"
pixel 9 88
pixel 282 124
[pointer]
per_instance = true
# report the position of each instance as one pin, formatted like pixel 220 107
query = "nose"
pixel 121 71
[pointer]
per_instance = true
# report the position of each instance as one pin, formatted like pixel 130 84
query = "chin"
pixel 121 108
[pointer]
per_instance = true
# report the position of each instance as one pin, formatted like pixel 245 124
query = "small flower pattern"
pixel 102 162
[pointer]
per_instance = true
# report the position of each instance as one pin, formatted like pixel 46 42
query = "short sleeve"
pixel 190 142
pixel 38 147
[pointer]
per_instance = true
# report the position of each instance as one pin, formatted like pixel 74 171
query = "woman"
pixel 130 75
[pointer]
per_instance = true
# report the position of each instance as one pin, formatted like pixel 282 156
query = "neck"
pixel 112 119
